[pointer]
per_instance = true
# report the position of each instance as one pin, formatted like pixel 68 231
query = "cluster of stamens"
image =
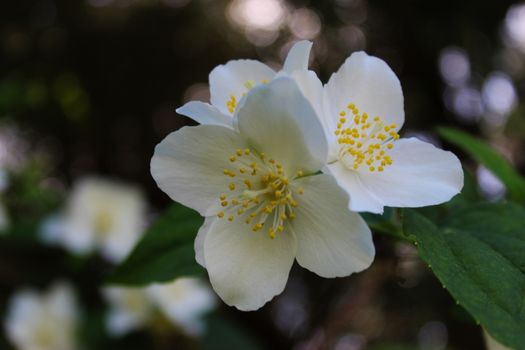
pixel 363 141
pixel 231 104
pixel 259 192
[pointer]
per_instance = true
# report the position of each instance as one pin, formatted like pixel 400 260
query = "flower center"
pixel 103 222
pixel 231 104
pixel 364 142
pixel 260 193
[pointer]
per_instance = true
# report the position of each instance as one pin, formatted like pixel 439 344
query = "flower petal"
pixel 361 199
pixel 298 56
pixel 278 120
pixel 312 89
pixel 370 84
pixel 331 240
pixel 199 240
pixel 421 175
pixel 188 164
pixel 247 268
pixel 234 79
pixel 204 113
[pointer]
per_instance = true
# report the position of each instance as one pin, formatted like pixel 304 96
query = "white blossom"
pixel 100 215
pixel 46 321
pixel 265 202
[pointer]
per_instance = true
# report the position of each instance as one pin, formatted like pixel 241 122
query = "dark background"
pixel 93 86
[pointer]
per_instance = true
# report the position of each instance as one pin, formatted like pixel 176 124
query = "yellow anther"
pixel 257 227
pixel 293 203
pixel 248 184
pixel 230 218
pixel 242 170
pixel 380 168
pixel 240 211
pixel 351 106
pixel 224 203
pixel 239 152
pixel 389 146
pixel 264 81
pixel 220 215
pixel 280 228
pixel 277 194
pixel 271 233
pixel 222 197
pixel 249 84
pixel 247 151
pixel 342 113
pixel 233 159
pixel 253 165
pixel 292 216
pixel 231 186
pixel 372 168
pixel 235 201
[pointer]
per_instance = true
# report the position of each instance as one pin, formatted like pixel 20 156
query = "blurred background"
pixel 89 87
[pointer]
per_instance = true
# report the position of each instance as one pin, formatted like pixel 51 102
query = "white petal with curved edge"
pixel 188 164
pixel 277 120
pixel 204 113
pixel 247 268
pixel 199 240
pixel 231 78
pixel 421 175
pixel 370 84
pixel 312 89
pixel 331 240
pixel 361 199
pixel 298 56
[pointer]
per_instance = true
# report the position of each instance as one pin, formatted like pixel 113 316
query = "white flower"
pixel 43 321
pixel 102 215
pixel 230 82
pixel 265 203
pixel 363 112
pixel 129 309
pixel 361 109
pixel 184 302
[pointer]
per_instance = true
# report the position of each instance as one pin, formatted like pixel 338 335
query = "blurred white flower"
pixel 100 214
pixel 230 82
pixel 129 309
pixel 184 302
pixel 263 176
pixel 45 321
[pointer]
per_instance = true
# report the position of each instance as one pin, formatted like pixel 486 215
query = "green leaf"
pixel 165 252
pixel 470 257
pixel 492 160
